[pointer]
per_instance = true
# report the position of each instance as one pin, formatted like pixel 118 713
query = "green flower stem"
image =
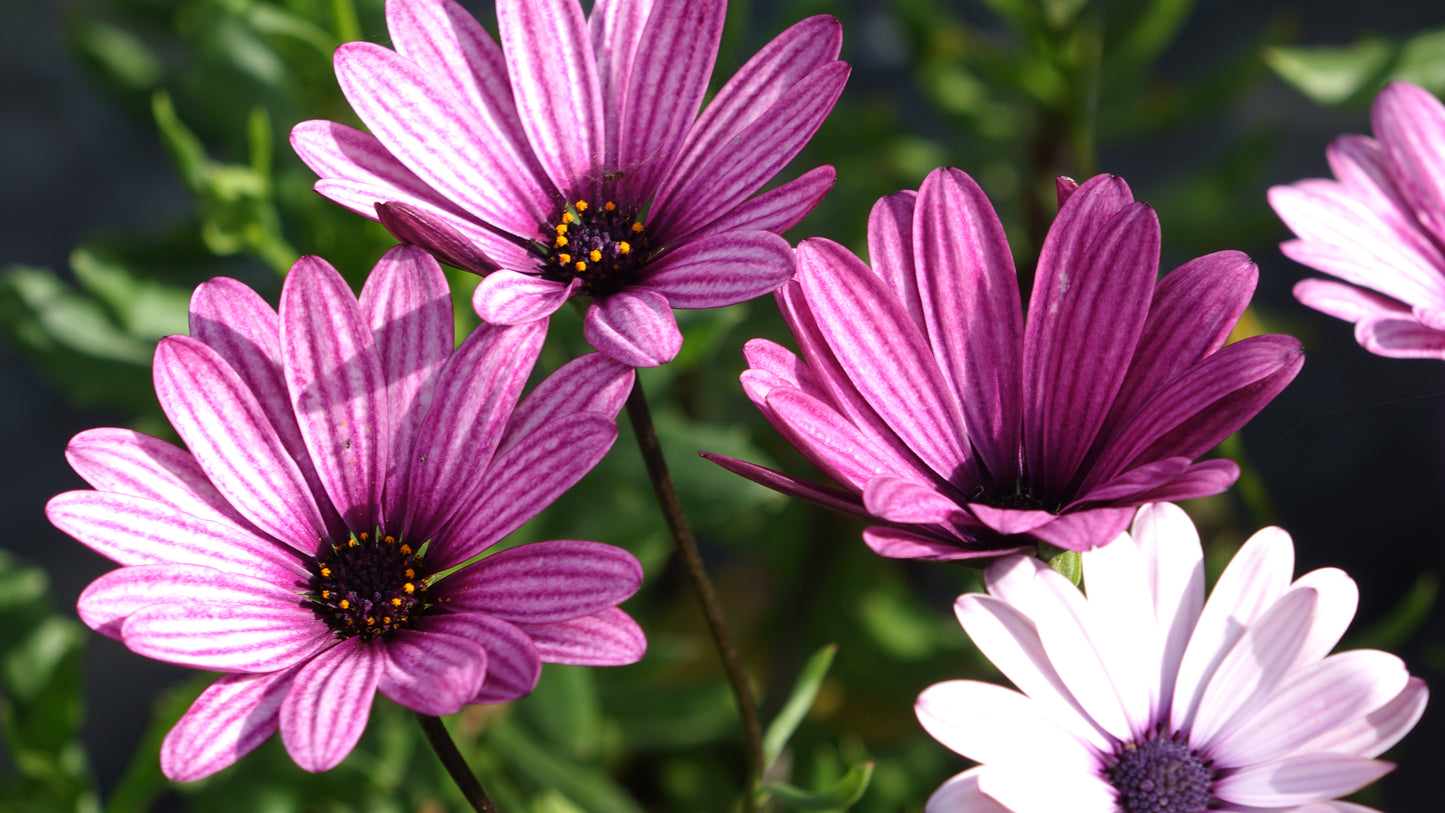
pixel 441 742
pixel 667 500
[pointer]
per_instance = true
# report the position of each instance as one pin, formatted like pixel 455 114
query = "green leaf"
pixel 147 309
pixel 1350 74
pixel 117 54
pixel 578 782
pixel 842 795
pixel 805 691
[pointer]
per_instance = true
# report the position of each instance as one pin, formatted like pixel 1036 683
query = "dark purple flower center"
pixel 367 586
pixel 1016 495
pixel 603 246
pixel 1161 775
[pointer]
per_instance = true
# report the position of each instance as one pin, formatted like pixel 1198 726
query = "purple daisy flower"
pixel 1379 226
pixel 973 432
pixel 343 456
pixel 1143 696
pixel 572 159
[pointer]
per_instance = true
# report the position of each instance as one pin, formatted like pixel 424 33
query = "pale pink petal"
pixel 408 307
pixel 106 602
pixel 524 479
pixel 993 725
pixel 1400 338
pixel 1299 780
pixel 1378 731
pixel 546 582
pixel 1410 124
pixel 137 531
pixel 431 672
pixel 961 795
pixel 554 80
pixel 227 637
pixel 326 710
pixel 230 718
pixel 1339 597
pixel 897 499
pixel 218 417
pixel 337 387
pixel 724 269
pixel 512 298
pixel 633 326
pixel 589 383
pixel 1018 788
pixel 607 638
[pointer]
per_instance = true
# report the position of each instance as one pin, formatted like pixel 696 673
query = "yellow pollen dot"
pixel 561 228
pixel 595 256
pixel 365 536
pixel 343 604
pixel 350 620
pixel 637 228
pixel 325 572
pixel 561 241
pixel 580 266
pixel 567 217
pixel 409 588
pixel 396 602
pixel 386 619
pixel 581 205
pixel 609 206
pixel 391 540
pixel 564 259
pixel 405 550
pixel 370 621
pixel 351 543
pixel 624 248
pixel 326 594
pixel 410 574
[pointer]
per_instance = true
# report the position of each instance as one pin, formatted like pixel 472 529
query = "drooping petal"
pixel 336 383
pixel 137 531
pixel 218 417
pixel 606 638
pixel 826 496
pixel 259 637
pixel 107 601
pixel 554 80
pixel 1299 780
pixel 526 478
pixel 721 270
pixel 511 298
pixel 633 326
pixel 327 708
pixel 408 307
pixel 432 672
pixel 546 582
pixel 478 390
pixel 231 717
pixel 969 301
pixel 415 225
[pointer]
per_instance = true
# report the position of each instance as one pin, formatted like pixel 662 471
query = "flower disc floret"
pixel 1160 775
pixel 367 586
pixel 603 247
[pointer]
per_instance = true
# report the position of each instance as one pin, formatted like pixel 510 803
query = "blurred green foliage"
pixel 1014 91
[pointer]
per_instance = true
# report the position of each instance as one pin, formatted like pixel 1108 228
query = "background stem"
pixel 441 742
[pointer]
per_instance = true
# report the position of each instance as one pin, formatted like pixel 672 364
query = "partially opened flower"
pixel 1145 697
pixel 973 432
pixel 342 457
pixel 1379 225
pixel 572 160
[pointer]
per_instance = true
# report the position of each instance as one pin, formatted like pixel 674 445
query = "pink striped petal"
pixel 616 27
pixel 1299 780
pixel 546 582
pixel 423 123
pixel 1410 124
pixel 897 499
pixel 721 270
pixel 969 300
pixel 771 358
pixel 749 157
pixel 130 463
pixel 475 395
pixel 1199 480
pixel 835 445
pixel 776 210
pixel 606 638
pixel 1401 339
pixel 417 226
pixel 230 718
pixel 218 417
pixel 890 250
pixel 634 326
pixel 1147 477
pixel 526 478
pixel 431 672
pixel 589 383
pixel 227 637
pixel 1009 521
pixel 665 83
pixel 835 498
pixel 336 383
pixel 408 307
pixel 896 543
pixel 512 298
pixel 513 663
pixel 326 710
pixel 1085 530
pixel 137 531
pixel 554 80
pixel 885 356
pixel 106 602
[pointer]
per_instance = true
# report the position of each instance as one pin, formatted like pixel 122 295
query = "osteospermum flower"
pixel 572 160
pixel 1380 226
pixel 342 457
pixel 924 392
pixel 1143 697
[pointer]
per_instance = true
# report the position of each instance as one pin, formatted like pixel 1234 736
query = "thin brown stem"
pixel 441 742
pixel 651 449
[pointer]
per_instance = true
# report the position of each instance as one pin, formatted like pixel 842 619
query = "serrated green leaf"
pixel 805 691
pixel 842 795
